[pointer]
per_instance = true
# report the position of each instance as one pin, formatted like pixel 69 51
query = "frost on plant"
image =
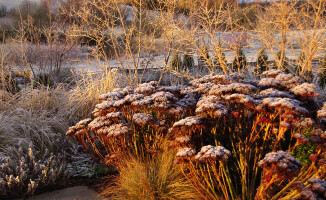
pixel 243 130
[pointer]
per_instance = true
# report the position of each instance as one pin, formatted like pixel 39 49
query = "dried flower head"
pixel 164 97
pixel 305 89
pixel 185 152
pixel 147 88
pixel 301 138
pixel 133 97
pixel 205 87
pixel 321 114
pixel 241 99
pixel 99 122
pixel 182 140
pixel 285 104
pixel 304 123
pixel 147 100
pixel 115 130
pixel 272 73
pixel 105 105
pixel 212 109
pixel 114 116
pixel 271 92
pixel 280 163
pixel 142 119
pixel 287 80
pixel 232 88
pixel 112 96
pixel 318 136
pixel 188 121
pixel 315 191
pixel 214 153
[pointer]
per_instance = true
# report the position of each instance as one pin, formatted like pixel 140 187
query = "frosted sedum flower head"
pixel 147 88
pixel 305 89
pixel 83 123
pixel 164 97
pixel 116 130
pixel 315 191
pixel 271 92
pixel 272 73
pixel 318 136
pixel 285 104
pixel 189 121
pixel 185 139
pixel 142 119
pixel 240 99
pixel 185 152
pixel 115 116
pixel 112 96
pixel 210 105
pixel 99 122
pixel 280 163
pixel 80 126
pixel 304 123
pixel 232 88
pixel 133 97
pixel 301 138
pixel 210 152
pixel 321 114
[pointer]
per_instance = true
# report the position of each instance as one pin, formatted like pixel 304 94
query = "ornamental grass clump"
pixel 234 138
